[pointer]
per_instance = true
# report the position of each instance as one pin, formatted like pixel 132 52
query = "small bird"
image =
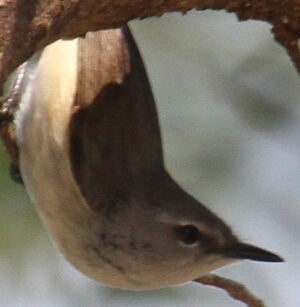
pixel 91 158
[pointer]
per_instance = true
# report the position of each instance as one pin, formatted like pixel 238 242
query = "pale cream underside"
pixel 42 134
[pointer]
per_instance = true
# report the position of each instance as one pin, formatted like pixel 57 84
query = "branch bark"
pixel 29 25
pixel 233 288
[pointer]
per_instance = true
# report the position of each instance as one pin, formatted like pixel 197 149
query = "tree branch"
pixel 233 288
pixel 29 25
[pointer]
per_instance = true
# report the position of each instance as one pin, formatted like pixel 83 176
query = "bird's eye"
pixel 187 234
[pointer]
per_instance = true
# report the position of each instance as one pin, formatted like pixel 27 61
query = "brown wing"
pixel 115 137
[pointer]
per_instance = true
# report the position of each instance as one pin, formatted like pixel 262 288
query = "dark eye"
pixel 187 234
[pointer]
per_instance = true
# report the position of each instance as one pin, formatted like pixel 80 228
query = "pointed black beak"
pixel 247 251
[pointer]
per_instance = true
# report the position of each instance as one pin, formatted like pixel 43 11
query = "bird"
pixel 91 159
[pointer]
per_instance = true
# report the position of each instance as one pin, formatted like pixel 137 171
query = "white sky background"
pixel 228 101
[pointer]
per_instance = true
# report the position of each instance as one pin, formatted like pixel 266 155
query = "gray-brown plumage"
pixel 115 137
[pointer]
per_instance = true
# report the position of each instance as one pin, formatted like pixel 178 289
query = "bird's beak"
pixel 247 251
